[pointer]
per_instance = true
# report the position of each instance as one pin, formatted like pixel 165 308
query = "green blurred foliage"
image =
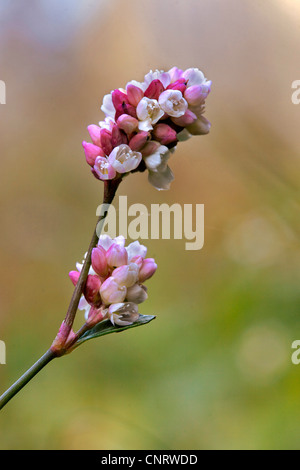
pixel 214 370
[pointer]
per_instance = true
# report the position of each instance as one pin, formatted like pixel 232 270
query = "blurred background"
pixel 214 370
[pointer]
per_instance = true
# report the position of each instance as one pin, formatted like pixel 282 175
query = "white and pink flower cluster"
pixel 115 283
pixel 144 122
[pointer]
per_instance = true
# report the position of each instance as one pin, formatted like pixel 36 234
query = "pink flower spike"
pixel 74 276
pixel 134 94
pixel 103 169
pixel 99 262
pixel 147 270
pixel 116 256
pixel 154 90
pixel 105 139
pixel 138 141
pixel 111 292
pixel 94 132
pixel 164 134
pixel 91 152
pixel 188 118
pixel 127 123
pixel 118 98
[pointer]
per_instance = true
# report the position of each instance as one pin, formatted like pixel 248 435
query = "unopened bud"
pixel 154 90
pixel 111 292
pixel 116 256
pixel 138 141
pixel 99 262
pixel 92 152
pixel 147 270
pixel 134 94
pixel 127 123
pixel 164 134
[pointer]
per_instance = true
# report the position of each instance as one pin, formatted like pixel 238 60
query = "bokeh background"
pixel 214 370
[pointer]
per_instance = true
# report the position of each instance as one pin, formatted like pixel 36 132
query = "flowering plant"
pixel 142 126
pixel 145 121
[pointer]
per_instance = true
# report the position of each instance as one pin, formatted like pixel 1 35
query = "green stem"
pixel 25 378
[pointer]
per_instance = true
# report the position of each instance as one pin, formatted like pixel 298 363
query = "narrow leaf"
pixel 106 327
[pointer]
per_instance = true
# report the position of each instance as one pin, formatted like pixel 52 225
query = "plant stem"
pixel 110 188
pixel 25 378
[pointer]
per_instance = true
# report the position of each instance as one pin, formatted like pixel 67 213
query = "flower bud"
pixel 105 139
pixel 164 134
pixel 99 262
pixel 118 137
pixel 125 108
pixel 92 152
pixel 137 294
pixel 94 132
pixel 111 292
pixel 118 98
pixel 138 141
pixel 95 315
pixel 147 270
pixel 151 147
pixel 188 118
pixel 116 256
pixel 127 123
pixel 180 85
pixel 154 90
pixel 196 94
pixel 74 276
pixel 193 76
pixel 91 290
pixel 137 260
pixel 199 127
pixel 126 275
pixel 175 74
pixel 134 94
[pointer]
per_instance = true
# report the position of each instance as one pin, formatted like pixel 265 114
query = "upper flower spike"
pixel 144 122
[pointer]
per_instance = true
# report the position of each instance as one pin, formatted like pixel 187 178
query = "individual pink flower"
pixel 173 103
pixel 123 159
pixel 148 112
pixel 104 169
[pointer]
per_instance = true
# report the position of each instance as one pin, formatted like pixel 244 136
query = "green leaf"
pixel 106 327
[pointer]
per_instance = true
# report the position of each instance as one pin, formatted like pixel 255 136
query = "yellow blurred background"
pixel 214 370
